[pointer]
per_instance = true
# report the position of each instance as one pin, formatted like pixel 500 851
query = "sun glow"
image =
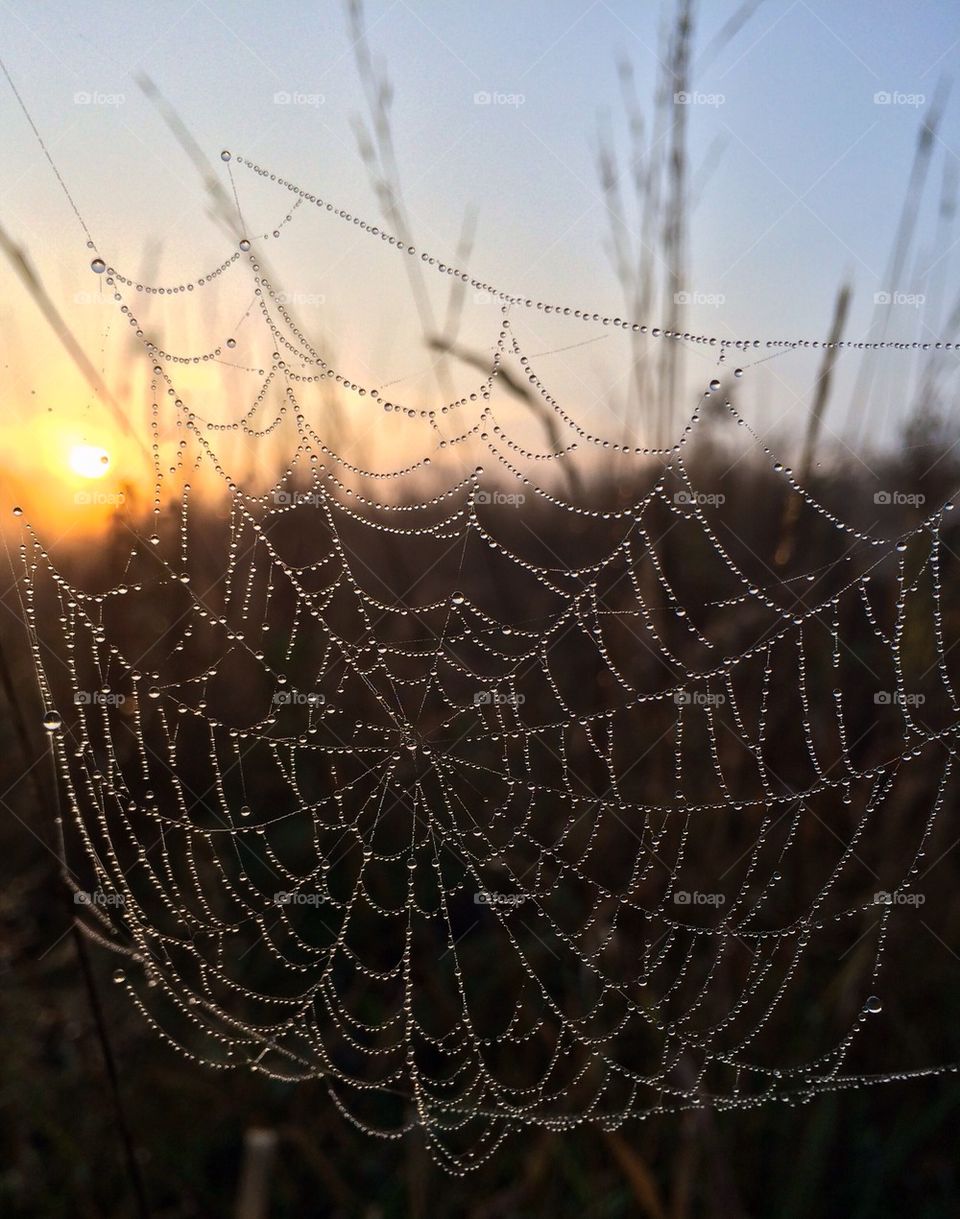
pixel 89 461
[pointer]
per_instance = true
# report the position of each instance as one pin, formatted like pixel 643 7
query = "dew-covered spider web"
pixel 485 799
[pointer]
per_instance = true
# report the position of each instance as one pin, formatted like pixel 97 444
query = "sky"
pixel 808 117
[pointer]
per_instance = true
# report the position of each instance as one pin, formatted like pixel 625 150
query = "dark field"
pixel 875 1151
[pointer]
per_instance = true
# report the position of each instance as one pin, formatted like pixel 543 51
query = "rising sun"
pixel 89 461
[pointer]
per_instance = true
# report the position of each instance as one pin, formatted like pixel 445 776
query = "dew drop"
pixel 245 810
pixel 714 386
pixel 98 266
pixel 52 721
pixel 231 342
pixel 225 155
pixel 873 1005
pixel 738 372
pixel 244 244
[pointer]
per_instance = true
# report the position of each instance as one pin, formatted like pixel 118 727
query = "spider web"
pixel 485 807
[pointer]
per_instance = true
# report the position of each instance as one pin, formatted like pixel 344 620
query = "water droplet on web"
pixel 738 372
pixel 225 155
pixel 245 810
pixel 714 386
pixel 231 342
pixel 244 244
pixel 52 721
pixel 98 266
pixel 18 512
pixel 118 975
pixel 873 1005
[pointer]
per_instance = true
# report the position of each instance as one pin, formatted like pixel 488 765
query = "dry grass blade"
pixel 728 31
pixel 222 205
pixel 642 1181
pixel 253 1196
pixel 791 513
pixel 903 241
pixel 34 286
pixel 534 403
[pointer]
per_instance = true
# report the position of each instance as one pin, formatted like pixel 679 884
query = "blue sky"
pixel 807 190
